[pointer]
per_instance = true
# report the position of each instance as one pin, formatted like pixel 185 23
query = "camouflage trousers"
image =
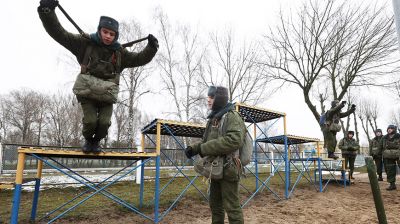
pixel 379 164
pixel 224 196
pixel 330 141
pixel 390 169
pixel 96 119
pixel 349 162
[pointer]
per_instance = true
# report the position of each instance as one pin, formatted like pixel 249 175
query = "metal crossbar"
pixel 332 171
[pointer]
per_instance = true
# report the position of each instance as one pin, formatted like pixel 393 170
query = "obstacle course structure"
pixel 279 152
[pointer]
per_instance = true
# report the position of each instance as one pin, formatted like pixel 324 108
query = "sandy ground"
pixel 337 205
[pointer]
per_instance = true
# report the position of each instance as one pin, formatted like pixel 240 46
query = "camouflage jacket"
pixel 213 144
pixel 333 116
pixel 100 56
pixel 349 146
pixel 374 146
pixel 390 146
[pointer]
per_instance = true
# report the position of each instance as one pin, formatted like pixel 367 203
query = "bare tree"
pixel 240 70
pixel 180 61
pixel 64 121
pixel 23 106
pixel 133 81
pixel 368 113
pixel 333 42
pixel 4 119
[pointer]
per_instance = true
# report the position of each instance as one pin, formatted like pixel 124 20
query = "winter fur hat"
pixel 378 130
pixel 350 133
pixel 220 96
pixel 109 23
pixel 393 127
pixel 335 103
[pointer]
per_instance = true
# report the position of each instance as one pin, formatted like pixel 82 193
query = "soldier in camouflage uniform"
pixel 376 153
pixel 224 193
pixel 331 126
pixel 390 148
pixel 349 147
pixel 102 59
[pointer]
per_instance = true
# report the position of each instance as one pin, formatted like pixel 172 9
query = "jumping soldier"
pixel 349 147
pixel 331 125
pixel 224 193
pixel 376 153
pixel 390 148
pixel 102 59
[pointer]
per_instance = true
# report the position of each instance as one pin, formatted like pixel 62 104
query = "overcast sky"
pixel 33 60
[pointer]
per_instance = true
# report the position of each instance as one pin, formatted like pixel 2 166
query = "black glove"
pixel 153 42
pixel 48 4
pixel 192 151
pixel 189 152
pixel 353 106
pixel 343 103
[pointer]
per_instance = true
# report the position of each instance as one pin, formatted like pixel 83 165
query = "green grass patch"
pixel 129 191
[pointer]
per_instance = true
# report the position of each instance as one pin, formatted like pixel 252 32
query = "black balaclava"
pixel 220 96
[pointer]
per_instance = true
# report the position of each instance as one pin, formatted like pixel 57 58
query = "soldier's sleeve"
pixel 347 113
pixel 341 144
pixel 380 145
pixel 135 59
pixel 230 142
pixel 75 43
pixel 357 146
pixel 370 146
pixel 336 109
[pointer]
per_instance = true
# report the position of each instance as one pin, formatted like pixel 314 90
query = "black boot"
pixel 380 178
pixel 96 146
pixel 391 187
pixel 351 175
pixel 87 147
pixel 332 155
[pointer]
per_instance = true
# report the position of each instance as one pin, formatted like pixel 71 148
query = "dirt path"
pixel 337 205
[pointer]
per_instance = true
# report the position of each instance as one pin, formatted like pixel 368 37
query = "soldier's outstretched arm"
pixel 338 107
pixel 350 111
pixel 230 142
pixel 73 42
pixel 135 59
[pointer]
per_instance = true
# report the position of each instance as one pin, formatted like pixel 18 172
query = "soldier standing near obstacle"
pixel 102 59
pixel 224 193
pixel 330 125
pixel 349 147
pixel 376 153
pixel 390 148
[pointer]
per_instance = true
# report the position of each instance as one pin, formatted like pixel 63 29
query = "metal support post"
pixel 287 168
pixel 157 191
pixel 37 190
pixel 18 188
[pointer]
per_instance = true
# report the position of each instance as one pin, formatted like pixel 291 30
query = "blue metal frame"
pixel 331 175
pixel 158 191
pixel 16 202
pixel 35 199
pixel 79 178
pixel 261 184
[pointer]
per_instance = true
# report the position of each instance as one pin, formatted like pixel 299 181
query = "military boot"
pixel 96 146
pixel 380 178
pixel 87 147
pixel 391 187
pixel 332 155
pixel 351 175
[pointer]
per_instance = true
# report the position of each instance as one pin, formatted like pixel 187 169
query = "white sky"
pixel 31 58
